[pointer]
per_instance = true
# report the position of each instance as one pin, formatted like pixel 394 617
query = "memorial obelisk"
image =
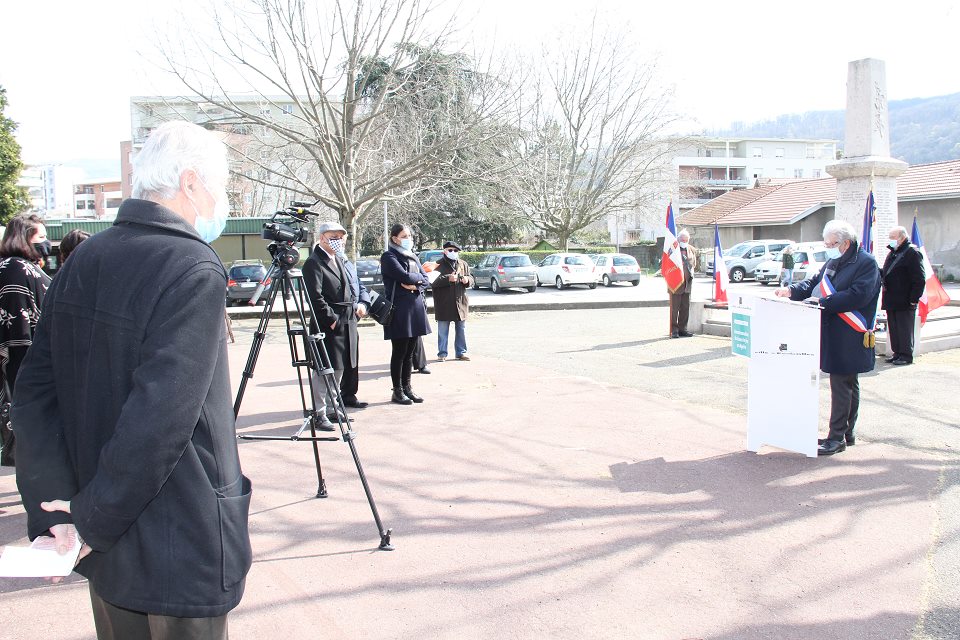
pixel 866 154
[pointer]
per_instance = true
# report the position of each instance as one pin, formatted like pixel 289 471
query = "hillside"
pixel 921 129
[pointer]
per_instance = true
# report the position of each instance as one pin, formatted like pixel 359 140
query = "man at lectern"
pixel 848 287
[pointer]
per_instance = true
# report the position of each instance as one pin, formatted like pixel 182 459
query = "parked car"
pixel 501 271
pixel 565 269
pixel 430 255
pixel 368 270
pixel 242 280
pixel 808 259
pixel 743 259
pixel 616 267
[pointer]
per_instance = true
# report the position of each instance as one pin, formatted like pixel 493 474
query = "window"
pixel 490 261
pixel 265 112
pixel 758 152
pixel 81 204
pixel 779 152
pixel 287 109
pixel 516 261
pixel 574 260
pixel 624 261
pixel 798 173
pixel 816 173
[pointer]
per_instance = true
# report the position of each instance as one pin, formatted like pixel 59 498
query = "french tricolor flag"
pixel 933 296
pixel 853 318
pixel 720 277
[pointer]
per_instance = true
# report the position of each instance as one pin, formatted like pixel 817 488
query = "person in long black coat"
pixel 903 285
pixel 404 283
pixel 123 406
pixel 848 286
pixel 332 298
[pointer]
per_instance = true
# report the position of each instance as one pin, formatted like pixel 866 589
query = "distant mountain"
pixel 921 129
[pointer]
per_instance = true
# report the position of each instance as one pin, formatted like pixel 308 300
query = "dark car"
pixel 242 280
pixel 368 270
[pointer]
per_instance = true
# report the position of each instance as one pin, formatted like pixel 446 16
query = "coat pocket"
pixel 234 532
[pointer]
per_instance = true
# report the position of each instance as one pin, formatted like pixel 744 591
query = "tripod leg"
pixel 258 337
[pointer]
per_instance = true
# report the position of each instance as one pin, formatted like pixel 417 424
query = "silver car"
pixel 501 271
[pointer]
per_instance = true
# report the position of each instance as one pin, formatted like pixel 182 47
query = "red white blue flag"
pixel 720 277
pixel 853 318
pixel 671 265
pixel 869 218
pixel 933 296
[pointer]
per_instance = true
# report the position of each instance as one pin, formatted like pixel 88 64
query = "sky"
pixel 70 67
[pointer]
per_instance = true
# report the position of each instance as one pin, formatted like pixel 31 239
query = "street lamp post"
pixel 386 222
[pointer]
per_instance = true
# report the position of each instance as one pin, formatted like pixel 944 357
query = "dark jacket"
pixel 123 406
pixel 334 299
pixel 856 279
pixel 688 259
pixel 23 286
pixel 450 301
pixel 410 309
pixel 903 278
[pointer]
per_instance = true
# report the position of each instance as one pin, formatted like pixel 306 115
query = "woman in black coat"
pixel 23 285
pixel 404 282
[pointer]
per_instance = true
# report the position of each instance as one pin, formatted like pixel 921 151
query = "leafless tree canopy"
pixel 342 101
pixel 596 143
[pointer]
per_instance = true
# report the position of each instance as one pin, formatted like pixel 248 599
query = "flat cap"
pixel 330 226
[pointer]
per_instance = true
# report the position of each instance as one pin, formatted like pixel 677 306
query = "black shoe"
pixel 424 370
pixel 407 391
pixel 675 335
pixel 399 398
pixel 685 334
pixel 891 358
pixel 830 447
pixel 899 362
pixel 850 439
pixel 352 402
pixel 333 417
pixel 322 423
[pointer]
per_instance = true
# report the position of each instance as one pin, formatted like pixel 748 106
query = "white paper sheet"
pixel 39 560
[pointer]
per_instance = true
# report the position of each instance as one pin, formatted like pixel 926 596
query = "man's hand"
pixel 783 292
pixel 333 326
pixel 64 533
pixel 408 287
pixel 361 311
pixel 452 277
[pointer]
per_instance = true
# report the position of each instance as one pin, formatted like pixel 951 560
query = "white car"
pixel 564 269
pixel 616 267
pixel 808 260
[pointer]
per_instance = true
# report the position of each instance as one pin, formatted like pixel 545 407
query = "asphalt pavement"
pixel 582 477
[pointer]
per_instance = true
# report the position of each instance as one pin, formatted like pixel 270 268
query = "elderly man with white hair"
pixel 680 299
pixel 124 418
pixel 903 284
pixel 847 286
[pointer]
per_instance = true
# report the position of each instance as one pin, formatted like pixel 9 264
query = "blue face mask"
pixel 406 243
pixel 209 229
pixel 833 253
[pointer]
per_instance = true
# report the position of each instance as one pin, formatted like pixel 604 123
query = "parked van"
pixel 743 259
pixel 808 259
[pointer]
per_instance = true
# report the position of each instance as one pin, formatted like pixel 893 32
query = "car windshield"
pixel 575 260
pixel 777 256
pixel 799 256
pixel 624 261
pixel 516 261
pixel 737 250
pixel 251 272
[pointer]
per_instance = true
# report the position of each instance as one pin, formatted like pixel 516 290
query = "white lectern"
pixel 782 340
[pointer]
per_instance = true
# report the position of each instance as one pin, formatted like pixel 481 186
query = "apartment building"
pixel 252 147
pixel 98 199
pixel 710 167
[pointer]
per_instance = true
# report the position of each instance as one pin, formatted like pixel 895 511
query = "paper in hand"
pixel 432 276
pixel 40 559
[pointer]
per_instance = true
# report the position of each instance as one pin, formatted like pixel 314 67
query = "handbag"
pixel 381 309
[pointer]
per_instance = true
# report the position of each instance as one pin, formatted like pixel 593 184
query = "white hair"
pixel 900 231
pixel 683 232
pixel 842 229
pixel 171 149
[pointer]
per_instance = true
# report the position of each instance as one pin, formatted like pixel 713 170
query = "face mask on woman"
pixel 407 243
pixel 833 253
pixel 43 248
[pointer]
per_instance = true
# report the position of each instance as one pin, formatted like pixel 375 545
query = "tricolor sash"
pixel 852 318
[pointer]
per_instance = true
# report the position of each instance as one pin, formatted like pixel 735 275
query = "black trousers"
pixel 679 311
pixel 114 623
pixel 401 360
pixel 900 329
pixel 844 405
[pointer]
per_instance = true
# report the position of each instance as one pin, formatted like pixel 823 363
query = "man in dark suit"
pixel 680 299
pixel 350 383
pixel 332 297
pixel 847 286
pixel 903 284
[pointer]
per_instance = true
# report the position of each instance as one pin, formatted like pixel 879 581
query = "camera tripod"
pixel 307 350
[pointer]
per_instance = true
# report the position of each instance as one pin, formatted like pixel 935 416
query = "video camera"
pixel 285 235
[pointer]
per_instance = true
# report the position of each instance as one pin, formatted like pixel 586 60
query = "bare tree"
pixel 321 80
pixel 597 142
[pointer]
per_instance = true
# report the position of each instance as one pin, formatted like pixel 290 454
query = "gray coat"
pixel 123 406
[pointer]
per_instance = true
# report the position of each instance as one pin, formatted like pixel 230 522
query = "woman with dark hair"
pixel 22 287
pixel 70 242
pixel 404 282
